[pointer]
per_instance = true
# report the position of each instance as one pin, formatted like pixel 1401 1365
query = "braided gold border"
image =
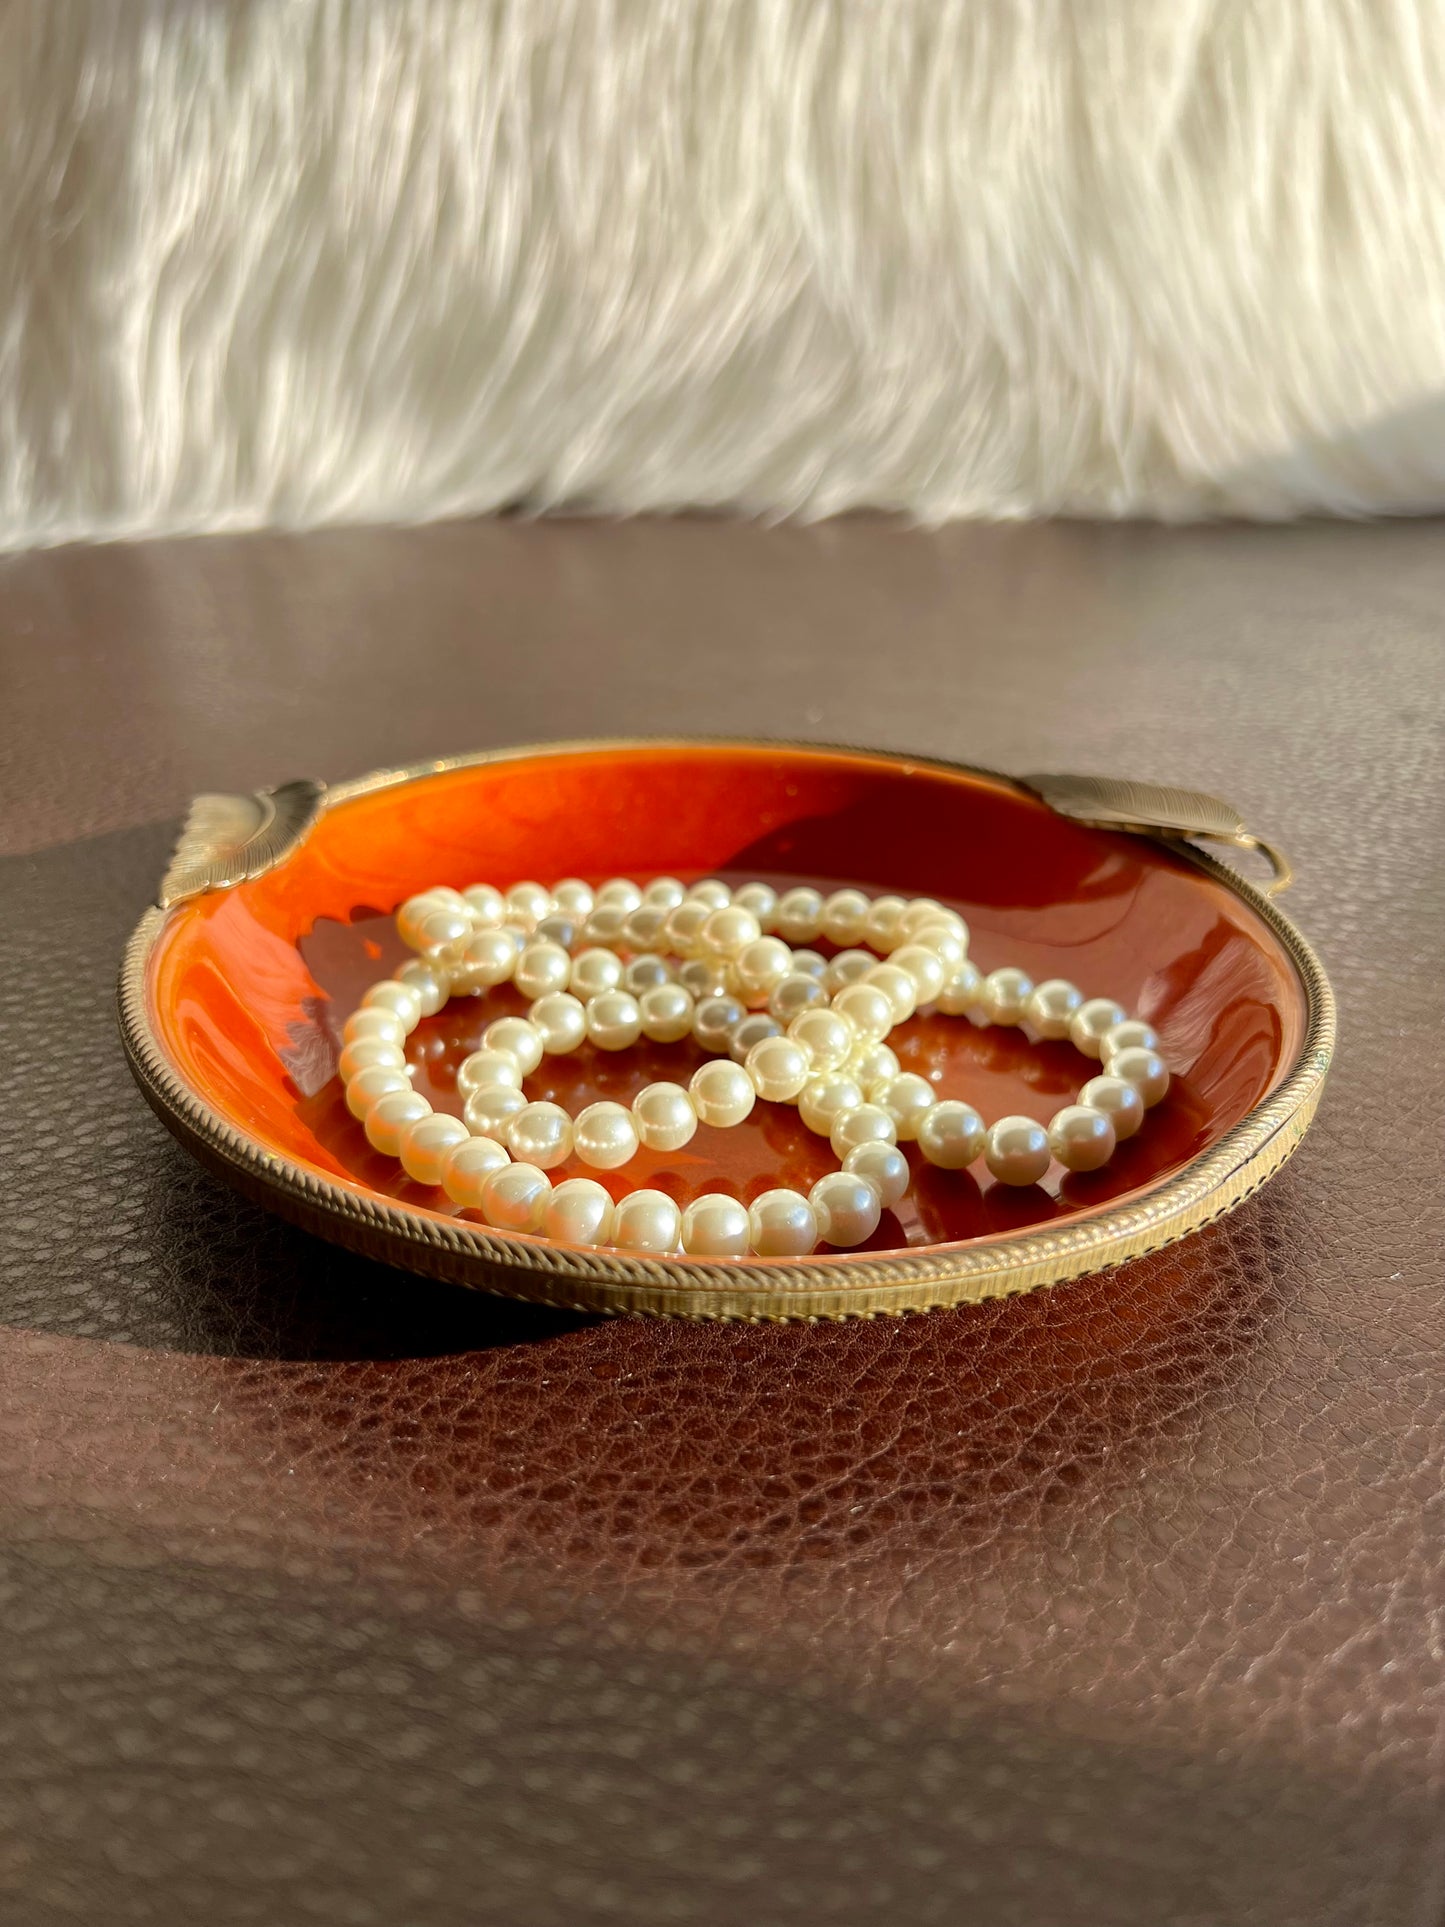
pixel 835 1287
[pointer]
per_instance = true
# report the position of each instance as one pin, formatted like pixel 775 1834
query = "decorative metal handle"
pixel 1155 809
pixel 227 840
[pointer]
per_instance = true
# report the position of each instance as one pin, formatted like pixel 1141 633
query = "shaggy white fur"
pixel 296 261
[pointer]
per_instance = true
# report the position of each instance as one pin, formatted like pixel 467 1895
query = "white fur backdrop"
pixel 299 261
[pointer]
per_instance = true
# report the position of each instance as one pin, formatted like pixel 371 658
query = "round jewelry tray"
pixel 276 914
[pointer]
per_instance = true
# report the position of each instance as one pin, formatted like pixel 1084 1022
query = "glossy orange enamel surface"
pixel 249 988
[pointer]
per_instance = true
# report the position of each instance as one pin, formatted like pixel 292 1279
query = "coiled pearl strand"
pixel 731 968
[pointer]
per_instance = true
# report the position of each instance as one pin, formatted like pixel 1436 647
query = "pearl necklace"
pixel 732 970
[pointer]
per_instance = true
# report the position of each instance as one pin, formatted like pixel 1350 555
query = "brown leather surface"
pixel 330 1595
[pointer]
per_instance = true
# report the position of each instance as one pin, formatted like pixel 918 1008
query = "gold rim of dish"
pixel 923 1279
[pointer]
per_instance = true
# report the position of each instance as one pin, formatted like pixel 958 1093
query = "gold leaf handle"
pixel 1157 809
pixel 228 839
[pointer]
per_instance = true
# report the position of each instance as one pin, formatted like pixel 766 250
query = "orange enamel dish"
pixel 232 1003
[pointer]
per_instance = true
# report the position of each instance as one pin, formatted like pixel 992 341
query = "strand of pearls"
pixel 733 970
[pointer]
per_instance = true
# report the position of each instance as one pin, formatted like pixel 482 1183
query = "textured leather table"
pixel 329 1595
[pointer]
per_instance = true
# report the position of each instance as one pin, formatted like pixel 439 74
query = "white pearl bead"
pixel 486 958
pixel 809 963
pixel 962 994
pixel 753 1029
pixel 619 893
pixel 646 973
pixel 489 1111
pixel 431 981
pixel 443 929
pixel 647 928
pixel 684 927
pixel 1017 1150
pixel 782 1224
pixel 489 958
pixel 868 1010
pixel 824 1099
pixel 647 1221
pixel 363 1090
pixel 827 1037
pixel 384 1025
pixel 844 914
pixel 799 915
pixel 722 1092
pixel 848 1208
pixel 945 943
pixel 703 977
pixel 579 1212
pixel 848 967
pixel 400 999
pixel 527 904
pixel 1091 1024
pixel 370 1053
pixel 924 966
pixel 715 1226
pixel 1144 1069
pixel 467 1166
pixel 1131 1034
pixel 715 1020
pixel 779 1068
pixel 607 924
pixel 485 1068
pixel 573 899
pixel 664 893
pixel 711 891
pixel 541 1134
pixel 425 1145
pixel 897 985
pixel 389 1117
pixel 440 896
pixel 1051 1007
pixel 1081 1138
pixel 761 899
pixel 761 966
pixel 515 1198
pixel 594 971
pixel 560 1020
pixel 951 1135
pixel 907 1099
pixel 884 1166
pixel 604 1136
pixel 666 1013
pixel 487 905
pixel 1120 1103
pixel 730 930
pixel 1006 994
pixel 557 929
pixel 880 926
pixel 796 993
pixel 413 913
pixel 872 1064
pixel 541 969
pixel 920 912
pixel 665 1117
pixel 516 1035
pixel 867 1124
pixel 614 1020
